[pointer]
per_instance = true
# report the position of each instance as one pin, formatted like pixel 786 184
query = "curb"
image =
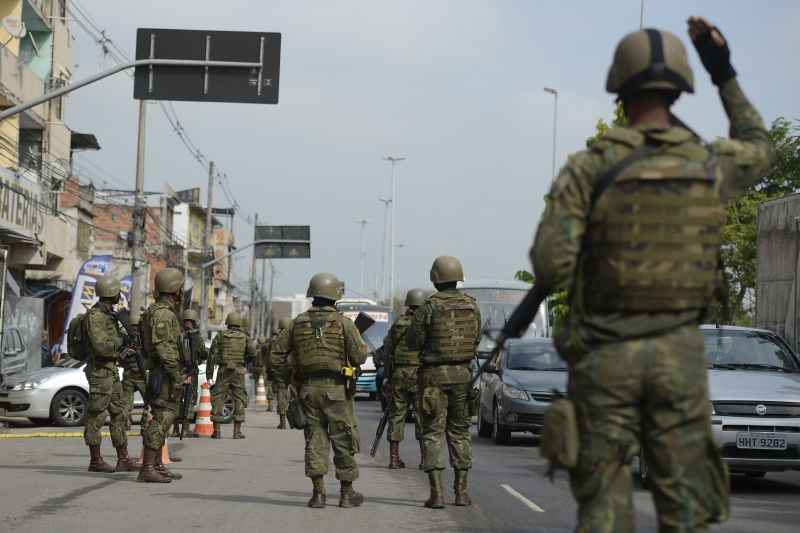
pixel 55 435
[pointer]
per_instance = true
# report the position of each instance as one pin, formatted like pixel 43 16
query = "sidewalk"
pixel 250 485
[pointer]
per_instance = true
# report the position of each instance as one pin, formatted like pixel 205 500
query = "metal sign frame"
pixel 282 242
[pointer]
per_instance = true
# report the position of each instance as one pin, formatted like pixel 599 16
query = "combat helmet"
pixel 107 287
pixel 325 285
pixel 415 298
pixel 235 320
pixel 445 269
pixel 190 314
pixel 284 323
pixel 169 281
pixel 650 60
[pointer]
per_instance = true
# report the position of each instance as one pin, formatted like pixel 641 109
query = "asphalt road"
pixel 258 485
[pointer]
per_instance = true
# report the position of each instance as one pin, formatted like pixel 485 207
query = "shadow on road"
pixel 742 485
pixel 367 498
pixel 77 471
pixel 234 498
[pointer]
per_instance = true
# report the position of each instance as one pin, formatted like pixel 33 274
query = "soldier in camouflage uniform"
pixel 322 344
pixel 280 369
pixel 132 381
pixel 231 350
pixel 195 353
pixel 401 367
pixel 261 369
pixel 641 259
pixel 161 337
pixel 105 340
pixel 446 328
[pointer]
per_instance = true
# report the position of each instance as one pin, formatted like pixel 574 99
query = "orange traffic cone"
pixel 203 426
pixel 261 393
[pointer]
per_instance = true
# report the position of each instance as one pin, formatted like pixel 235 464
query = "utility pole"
pixel 393 160
pixel 362 254
pixel 262 308
pixel 555 128
pixel 253 286
pixel 386 205
pixel 641 15
pixel 269 298
pixel 139 267
pixel 205 274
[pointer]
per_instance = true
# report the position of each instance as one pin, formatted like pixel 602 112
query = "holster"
pixel 154 381
pixel 560 440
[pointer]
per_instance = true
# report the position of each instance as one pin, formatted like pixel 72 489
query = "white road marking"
pixel 529 504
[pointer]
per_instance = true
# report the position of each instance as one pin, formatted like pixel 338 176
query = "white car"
pixel 57 394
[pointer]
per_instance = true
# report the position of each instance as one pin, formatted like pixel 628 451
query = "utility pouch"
pixel 294 412
pixel 154 382
pixel 560 441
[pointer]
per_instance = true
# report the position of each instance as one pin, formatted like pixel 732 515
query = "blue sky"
pixel 455 86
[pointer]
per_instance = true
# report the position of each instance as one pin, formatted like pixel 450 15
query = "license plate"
pixel 760 441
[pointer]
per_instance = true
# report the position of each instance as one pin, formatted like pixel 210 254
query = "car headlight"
pixel 514 393
pixel 28 385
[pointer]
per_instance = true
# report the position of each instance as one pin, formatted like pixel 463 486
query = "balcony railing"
pixel 19 82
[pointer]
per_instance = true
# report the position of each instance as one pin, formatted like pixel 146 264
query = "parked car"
pixel 14 355
pixel 754 385
pixel 518 386
pixel 59 395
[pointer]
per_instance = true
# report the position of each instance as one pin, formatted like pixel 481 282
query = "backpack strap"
pixel 608 177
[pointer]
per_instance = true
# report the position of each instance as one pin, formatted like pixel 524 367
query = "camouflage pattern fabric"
pixel 105 395
pixel 329 409
pixel 331 424
pixel 641 376
pixel 131 382
pixel 165 340
pixel 402 398
pixel 282 397
pixel 229 381
pixel 656 390
pixel 280 368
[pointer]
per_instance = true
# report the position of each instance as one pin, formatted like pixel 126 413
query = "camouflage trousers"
pixel 164 410
pixel 331 424
pixel 268 385
pixel 229 381
pixel 653 391
pixel 131 382
pixel 403 397
pixel 444 410
pixel 282 397
pixel 105 396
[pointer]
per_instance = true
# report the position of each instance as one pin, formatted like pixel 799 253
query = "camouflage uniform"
pixel 402 367
pixel 105 390
pixel 445 375
pixel 132 381
pixel 161 333
pixel 230 350
pixel 317 361
pixel 638 374
pixel 261 370
pixel 281 370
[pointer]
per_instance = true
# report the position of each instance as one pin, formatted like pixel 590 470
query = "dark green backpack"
pixel 78 339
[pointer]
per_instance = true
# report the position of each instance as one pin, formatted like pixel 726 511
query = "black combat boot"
pixel 349 498
pixel 282 425
pixel 164 471
pixel 175 430
pixel 217 433
pixel 237 430
pixel 460 488
pixel 124 461
pixel 394 456
pixel 317 500
pixel 148 473
pixel 436 501
pixel 96 461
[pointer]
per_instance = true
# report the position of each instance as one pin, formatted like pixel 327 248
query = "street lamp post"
pixel 393 160
pixel 387 203
pixel 362 253
pixel 555 128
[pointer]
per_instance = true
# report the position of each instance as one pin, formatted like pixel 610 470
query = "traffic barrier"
pixel 261 393
pixel 203 426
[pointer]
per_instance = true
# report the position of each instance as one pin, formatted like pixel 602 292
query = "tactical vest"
pixel 452 336
pixel 654 236
pixel 234 346
pixel 146 328
pixel 318 340
pixel 403 355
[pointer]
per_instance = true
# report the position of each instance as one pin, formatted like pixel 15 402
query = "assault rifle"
pixel 183 410
pixel 379 433
pixel 132 346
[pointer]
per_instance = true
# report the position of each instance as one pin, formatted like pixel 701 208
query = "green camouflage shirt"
pixel 105 337
pixel 741 161
pixel 166 338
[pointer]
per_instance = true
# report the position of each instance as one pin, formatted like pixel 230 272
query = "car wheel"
pixel 484 427
pixel 69 408
pixel 227 411
pixel 755 475
pixel 500 433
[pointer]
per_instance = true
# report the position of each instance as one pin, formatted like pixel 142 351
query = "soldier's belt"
pixel 323 374
pixel 426 364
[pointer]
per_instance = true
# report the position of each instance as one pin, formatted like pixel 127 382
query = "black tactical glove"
pixel 712 47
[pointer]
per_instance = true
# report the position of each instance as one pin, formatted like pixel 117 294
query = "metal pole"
pixel 393 160
pixel 386 204
pixel 204 273
pixel 555 129
pixel 253 286
pixel 139 267
pixel 641 15
pixel 262 308
pixel 362 254
pixel 269 301
pixel 796 260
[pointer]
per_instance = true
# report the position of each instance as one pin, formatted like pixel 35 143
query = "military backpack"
pixel 78 338
pixel 453 334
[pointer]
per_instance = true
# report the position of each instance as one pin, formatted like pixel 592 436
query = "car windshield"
pixel 534 356
pixel 747 350
pixel 69 363
pixel 375 334
pixel 496 304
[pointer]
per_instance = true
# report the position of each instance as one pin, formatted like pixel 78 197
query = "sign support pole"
pixel 205 274
pixel 139 266
pixel 253 287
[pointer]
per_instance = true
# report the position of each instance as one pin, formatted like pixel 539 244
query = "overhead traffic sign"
pixel 245 66
pixel 283 242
